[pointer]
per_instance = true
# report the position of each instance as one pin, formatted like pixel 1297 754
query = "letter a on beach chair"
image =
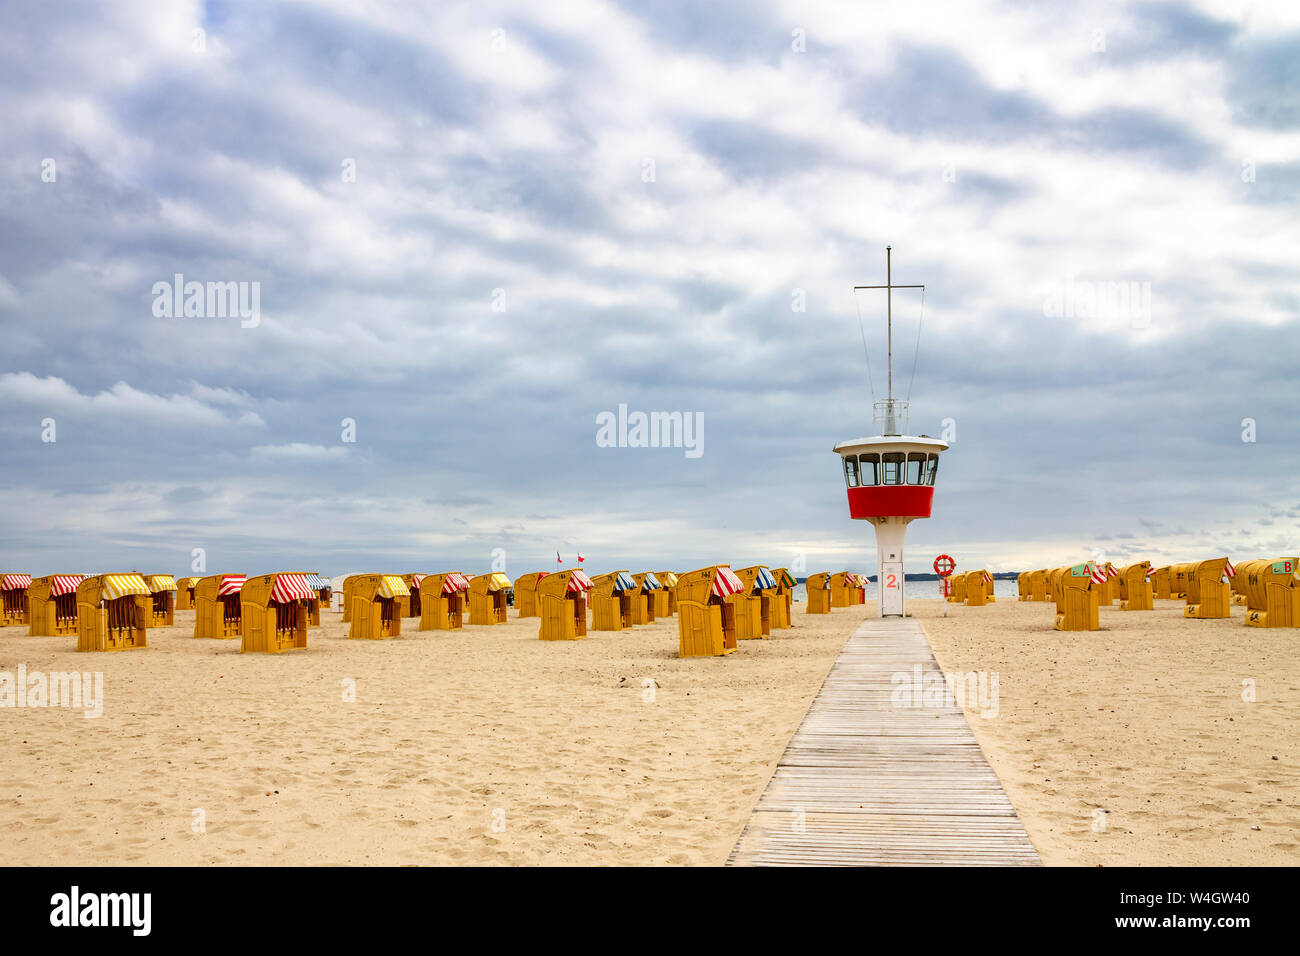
pixel 706 621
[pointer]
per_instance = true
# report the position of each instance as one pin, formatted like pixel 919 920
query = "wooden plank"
pixel 866 782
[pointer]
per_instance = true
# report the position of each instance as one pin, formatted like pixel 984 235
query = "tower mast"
pixel 889 287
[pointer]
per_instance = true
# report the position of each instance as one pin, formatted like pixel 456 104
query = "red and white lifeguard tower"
pixel 890 476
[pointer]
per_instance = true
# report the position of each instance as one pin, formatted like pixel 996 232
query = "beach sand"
pixel 450 733
pixel 1144 719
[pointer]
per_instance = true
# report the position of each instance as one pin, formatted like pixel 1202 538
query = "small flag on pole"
pixel 557 558
pixel 580 558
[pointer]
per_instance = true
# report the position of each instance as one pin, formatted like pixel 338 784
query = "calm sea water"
pixel 929 589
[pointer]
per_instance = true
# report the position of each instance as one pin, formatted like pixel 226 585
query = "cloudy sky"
pixel 474 228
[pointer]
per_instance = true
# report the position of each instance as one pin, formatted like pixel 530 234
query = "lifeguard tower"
pixel 890 475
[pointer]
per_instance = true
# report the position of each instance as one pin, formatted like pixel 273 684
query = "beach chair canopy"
pixel 231 584
pixel 763 579
pixel 578 581
pixel 785 578
pixel 667 578
pixel 291 586
pixel 61 584
pixel 160 582
pixel 725 582
pixel 316 582
pixel 415 581
pixel 494 581
pixel 650 582
pixel 454 581
pixel 121 585
pixel 624 582
pixel 15 582
pixel 392 586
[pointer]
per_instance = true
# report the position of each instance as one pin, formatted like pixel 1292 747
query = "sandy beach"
pixel 451 733
pixel 1144 719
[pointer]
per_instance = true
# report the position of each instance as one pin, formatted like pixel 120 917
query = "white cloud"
pixel 122 401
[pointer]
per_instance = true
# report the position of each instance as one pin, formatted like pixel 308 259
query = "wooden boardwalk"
pixel 863 783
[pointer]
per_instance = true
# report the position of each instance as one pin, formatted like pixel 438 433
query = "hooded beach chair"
pixel 782 598
pixel 706 620
pixel 1076 601
pixel 562 605
pixel 526 593
pixel 668 595
pixel 442 601
pixel 52 605
pixel 217 609
pixel 109 616
pixel 957 588
pixel 1135 592
pixel 275 611
pixel 817 588
pixel 1208 595
pixel 754 605
pixel 846 590
pixel 611 599
pixel 979 588
pixel 487 598
pixel 376 610
pixel 13 599
pixel 645 609
pixel 158 607
pixel 1272 590
pixel 185 593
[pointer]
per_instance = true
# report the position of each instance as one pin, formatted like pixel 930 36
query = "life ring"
pixel 944 565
